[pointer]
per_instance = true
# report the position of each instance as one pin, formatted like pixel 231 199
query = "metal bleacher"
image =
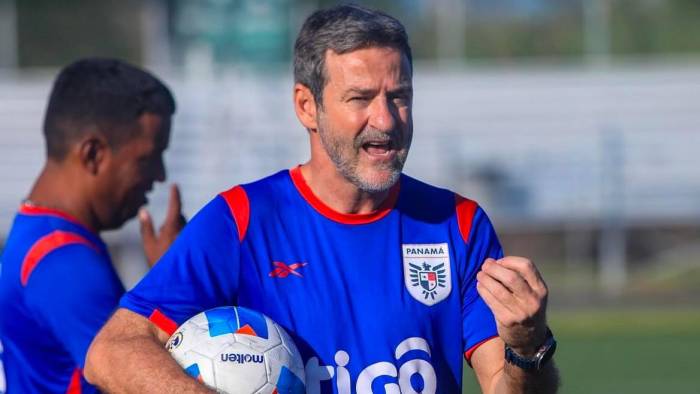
pixel 536 143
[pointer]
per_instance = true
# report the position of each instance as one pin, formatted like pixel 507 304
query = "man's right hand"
pixel 156 244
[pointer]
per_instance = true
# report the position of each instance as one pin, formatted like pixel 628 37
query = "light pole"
pixel 8 34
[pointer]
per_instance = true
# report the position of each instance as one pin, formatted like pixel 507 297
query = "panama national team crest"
pixel 426 272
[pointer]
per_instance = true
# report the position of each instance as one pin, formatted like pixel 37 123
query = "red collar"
pixel 345 218
pixel 33 210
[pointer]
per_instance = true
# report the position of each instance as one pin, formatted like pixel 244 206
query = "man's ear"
pixel 305 107
pixel 92 152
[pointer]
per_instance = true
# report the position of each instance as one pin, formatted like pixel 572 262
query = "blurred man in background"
pixel 106 127
pixel 354 231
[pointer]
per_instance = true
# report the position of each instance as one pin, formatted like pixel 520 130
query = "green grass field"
pixel 625 351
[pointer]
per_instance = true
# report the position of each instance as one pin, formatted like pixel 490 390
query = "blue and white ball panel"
pixel 193 370
pixel 234 320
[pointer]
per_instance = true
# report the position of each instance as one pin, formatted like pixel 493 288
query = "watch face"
pixel 543 355
pixel 548 353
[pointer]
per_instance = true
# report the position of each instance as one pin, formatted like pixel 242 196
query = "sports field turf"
pixel 625 351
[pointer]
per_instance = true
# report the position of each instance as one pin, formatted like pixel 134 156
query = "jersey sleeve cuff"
pixel 470 351
pixel 150 312
pixel 163 322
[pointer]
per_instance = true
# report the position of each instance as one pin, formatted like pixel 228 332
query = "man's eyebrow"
pixel 359 92
pixel 404 88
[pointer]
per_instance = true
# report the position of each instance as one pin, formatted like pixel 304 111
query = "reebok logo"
pixel 283 270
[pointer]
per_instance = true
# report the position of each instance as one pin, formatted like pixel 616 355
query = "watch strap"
pixel 536 362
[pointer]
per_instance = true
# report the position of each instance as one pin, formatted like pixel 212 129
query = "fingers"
pixel 503 287
pixel 500 311
pixel 148 236
pixel 148 233
pixel 510 278
pixel 497 296
pixel 156 243
pixel 516 294
pixel 527 270
pixel 174 213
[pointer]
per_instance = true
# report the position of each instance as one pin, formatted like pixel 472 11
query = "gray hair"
pixel 342 29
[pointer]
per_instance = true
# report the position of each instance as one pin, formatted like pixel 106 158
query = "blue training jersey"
pixel 375 302
pixel 57 289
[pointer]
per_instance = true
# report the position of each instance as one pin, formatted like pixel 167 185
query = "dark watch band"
pixel 536 362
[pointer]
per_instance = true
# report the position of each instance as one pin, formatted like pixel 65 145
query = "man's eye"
pixel 144 162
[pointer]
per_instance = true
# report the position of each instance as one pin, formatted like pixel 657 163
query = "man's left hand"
pixel 514 290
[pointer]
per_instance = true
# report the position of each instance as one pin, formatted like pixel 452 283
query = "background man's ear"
pixel 305 107
pixel 92 152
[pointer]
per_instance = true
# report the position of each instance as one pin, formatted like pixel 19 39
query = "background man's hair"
pixel 342 29
pixel 103 95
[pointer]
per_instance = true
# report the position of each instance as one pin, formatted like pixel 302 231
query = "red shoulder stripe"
pixel 466 209
pixel 46 245
pixel 163 322
pixel 238 203
pixel 74 385
pixel 468 354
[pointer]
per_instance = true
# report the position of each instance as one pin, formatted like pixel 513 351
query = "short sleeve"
pixel 199 271
pixel 73 291
pixel 478 322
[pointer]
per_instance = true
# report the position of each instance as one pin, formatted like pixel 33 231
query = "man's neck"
pixel 55 189
pixel 338 193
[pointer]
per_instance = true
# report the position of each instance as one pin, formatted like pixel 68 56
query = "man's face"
pixel 365 123
pixel 130 171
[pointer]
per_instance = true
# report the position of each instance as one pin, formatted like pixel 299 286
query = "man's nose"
pixel 383 115
pixel 161 173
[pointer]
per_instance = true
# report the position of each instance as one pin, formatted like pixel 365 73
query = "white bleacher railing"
pixel 540 144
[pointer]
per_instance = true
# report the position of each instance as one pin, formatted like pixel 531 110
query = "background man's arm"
pixel 128 356
pixel 517 295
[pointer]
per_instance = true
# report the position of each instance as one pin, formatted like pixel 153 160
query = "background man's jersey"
pixel 57 289
pixel 375 301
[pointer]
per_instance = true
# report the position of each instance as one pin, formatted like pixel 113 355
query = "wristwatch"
pixel 539 360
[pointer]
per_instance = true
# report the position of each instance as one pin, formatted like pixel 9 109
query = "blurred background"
pixel 574 123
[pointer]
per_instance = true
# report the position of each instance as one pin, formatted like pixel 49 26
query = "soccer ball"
pixel 236 350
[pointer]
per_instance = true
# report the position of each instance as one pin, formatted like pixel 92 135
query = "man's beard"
pixel 346 160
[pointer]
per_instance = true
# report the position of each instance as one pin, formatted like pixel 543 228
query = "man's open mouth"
pixel 378 148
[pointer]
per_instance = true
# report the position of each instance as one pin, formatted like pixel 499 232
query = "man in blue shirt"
pixel 106 126
pixel 385 283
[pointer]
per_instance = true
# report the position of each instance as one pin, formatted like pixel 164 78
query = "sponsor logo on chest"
pixel 426 272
